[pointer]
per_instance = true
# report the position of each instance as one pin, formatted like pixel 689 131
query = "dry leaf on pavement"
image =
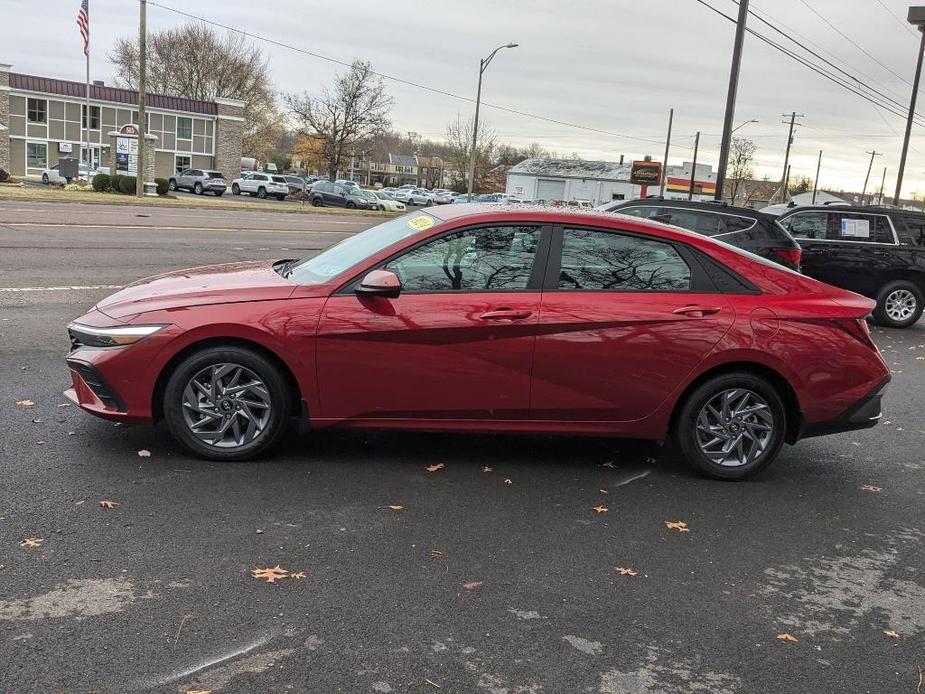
pixel 871 488
pixel 436 554
pixel 487 468
pixel 787 637
pixel 625 571
pixel 198 691
pixel 603 491
pixel 297 574
pixel 432 683
pixel 508 482
pixel 680 526
pixel 144 453
pixel 472 585
pixel 32 542
pixel 25 403
pixel 393 507
pixel 609 464
pixel 892 634
pixel 106 503
pixel 600 509
pixel 270 575
pixel 434 468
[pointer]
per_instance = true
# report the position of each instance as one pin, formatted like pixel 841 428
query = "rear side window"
pixel 733 223
pixel 911 229
pixel 601 260
pixel 851 226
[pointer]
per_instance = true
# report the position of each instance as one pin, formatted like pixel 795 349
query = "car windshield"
pixel 354 250
pixel 368 194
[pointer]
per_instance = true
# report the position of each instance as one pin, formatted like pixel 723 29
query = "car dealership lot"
pixel 485 580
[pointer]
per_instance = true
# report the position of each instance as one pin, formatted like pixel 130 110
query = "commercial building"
pixel 43 119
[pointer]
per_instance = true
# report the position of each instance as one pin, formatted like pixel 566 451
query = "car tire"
pixel 197 189
pixel 171 184
pixel 899 305
pixel 428 203
pixel 351 206
pixel 760 428
pixel 317 202
pixel 262 193
pixel 235 189
pixel 182 398
pixel 45 178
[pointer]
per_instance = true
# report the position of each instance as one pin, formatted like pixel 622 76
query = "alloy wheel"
pixel 226 405
pixel 900 305
pixel 734 427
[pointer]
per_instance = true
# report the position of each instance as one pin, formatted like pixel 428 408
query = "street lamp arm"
pixel 484 62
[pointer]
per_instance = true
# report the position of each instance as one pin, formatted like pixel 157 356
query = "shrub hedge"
pixel 127 185
pixel 101 182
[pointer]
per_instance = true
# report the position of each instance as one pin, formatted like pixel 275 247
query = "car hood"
pixel 199 286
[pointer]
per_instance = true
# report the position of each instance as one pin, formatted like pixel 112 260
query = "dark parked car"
pixel 198 181
pixel 325 193
pixel 875 251
pixel 750 230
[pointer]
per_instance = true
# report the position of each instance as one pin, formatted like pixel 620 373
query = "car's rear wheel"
pixel 171 184
pixel 351 206
pixel 731 426
pixel 45 178
pixel 317 202
pixel 235 189
pixel 227 403
pixel 197 189
pixel 899 305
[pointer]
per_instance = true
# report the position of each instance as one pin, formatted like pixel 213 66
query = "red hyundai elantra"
pixel 471 318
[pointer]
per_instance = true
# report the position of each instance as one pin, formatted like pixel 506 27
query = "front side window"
pixel 484 259
pixel 37 110
pixel 94 117
pixel 36 155
pixel 184 128
pixel 806 225
pixel 602 260
pixel 181 163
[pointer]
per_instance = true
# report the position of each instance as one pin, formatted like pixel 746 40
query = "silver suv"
pixel 198 181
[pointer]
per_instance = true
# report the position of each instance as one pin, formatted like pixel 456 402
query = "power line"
pixel 401 80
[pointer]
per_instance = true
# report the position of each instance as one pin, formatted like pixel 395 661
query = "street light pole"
pixel 731 99
pixel 661 191
pixel 916 17
pixel 142 87
pixel 483 64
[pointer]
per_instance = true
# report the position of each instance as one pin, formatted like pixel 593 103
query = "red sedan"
pixel 470 318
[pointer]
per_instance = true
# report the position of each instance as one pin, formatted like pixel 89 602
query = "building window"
pixel 147 119
pixel 184 128
pixel 37 110
pixel 182 163
pixel 94 117
pixel 36 155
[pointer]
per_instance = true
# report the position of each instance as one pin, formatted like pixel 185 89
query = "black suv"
pixel 875 251
pixel 753 231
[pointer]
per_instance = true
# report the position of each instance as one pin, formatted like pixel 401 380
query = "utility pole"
pixel 786 174
pixel 816 184
pixel 731 99
pixel 872 154
pixel 142 88
pixel 787 179
pixel 690 189
pixel 882 183
pixel 661 190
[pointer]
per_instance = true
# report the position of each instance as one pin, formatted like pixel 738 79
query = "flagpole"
pixel 89 150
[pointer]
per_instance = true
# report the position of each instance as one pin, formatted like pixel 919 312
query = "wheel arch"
pixel 913 276
pixel 157 397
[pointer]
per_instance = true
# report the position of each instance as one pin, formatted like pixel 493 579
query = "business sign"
pixel 646 173
pixel 129 129
pixel 126 145
pixel 65 147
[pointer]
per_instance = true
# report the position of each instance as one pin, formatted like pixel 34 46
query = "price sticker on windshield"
pixel 425 221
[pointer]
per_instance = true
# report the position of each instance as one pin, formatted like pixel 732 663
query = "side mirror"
pixel 384 283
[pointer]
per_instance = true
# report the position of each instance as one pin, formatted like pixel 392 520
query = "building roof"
pixel 403 160
pixel 78 90
pixel 573 168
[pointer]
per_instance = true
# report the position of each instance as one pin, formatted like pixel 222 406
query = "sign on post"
pixel 646 173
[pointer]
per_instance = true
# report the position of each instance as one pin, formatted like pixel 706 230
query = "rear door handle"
pixel 505 314
pixel 697 311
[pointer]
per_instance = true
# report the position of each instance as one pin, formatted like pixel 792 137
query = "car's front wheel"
pixel 171 184
pixel 227 403
pixel 317 202
pixel 197 189
pixel 45 178
pixel 899 305
pixel 351 206
pixel 262 193
pixel 235 189
pixel 731 426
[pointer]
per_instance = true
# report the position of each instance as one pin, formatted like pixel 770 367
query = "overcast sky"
pixel 611 65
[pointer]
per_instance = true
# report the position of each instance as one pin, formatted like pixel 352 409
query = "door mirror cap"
pixel 384 283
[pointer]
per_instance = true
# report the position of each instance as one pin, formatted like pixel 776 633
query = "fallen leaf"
pixel 680 526
pixel 434 684
pixel 434 468
pixel 624 571
pixel 32 542
pixel 297 574
pixel 600 509
pixel 39 443
pixel 508 482
pixel 198 691
pixel 270 575
pixel 472 585
pixel 144 453
pixel 64 404
pixel 871 488
pixel 25 403
pixel 487 468
pixel 37 420
pixel 436 554
pixel 609 464
pixel 887 422
pixel 106 503
pixel 787 637
pixel 892 634
pixel 603 491
pixel 394 507
pixel 72 433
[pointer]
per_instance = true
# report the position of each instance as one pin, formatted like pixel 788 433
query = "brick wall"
pixel 229 136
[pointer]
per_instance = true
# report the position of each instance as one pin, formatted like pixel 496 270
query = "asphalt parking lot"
pixel 495 574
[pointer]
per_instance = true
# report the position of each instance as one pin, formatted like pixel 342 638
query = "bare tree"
pixel 741 164
pixel 345 117
pixel 196 62
pixel 459 142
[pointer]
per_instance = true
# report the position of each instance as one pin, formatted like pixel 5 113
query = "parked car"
pixel 262 185
pixel 228 354
pixel 387 203
pixel 490 197
pixel 465 197
pixel 198 181
pixel 413 196
pixel 875 251
pixel 296 184
pixel 347 183
pixel 441 198
pixel 748 229
pixel 51 175
pixel 327 194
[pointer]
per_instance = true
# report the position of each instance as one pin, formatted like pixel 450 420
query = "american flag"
pixel 83 21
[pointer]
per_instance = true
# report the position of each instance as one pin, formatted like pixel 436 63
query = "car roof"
pixel 868 209
pixel 718 207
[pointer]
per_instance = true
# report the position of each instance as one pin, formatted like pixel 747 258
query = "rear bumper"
pixel 864 414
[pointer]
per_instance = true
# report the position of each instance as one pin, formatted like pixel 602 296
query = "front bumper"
pixel 92 392
pixel 864 414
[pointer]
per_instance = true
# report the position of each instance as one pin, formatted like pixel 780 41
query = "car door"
pixel 457 344
pixel 624 319
pixel 336 195
pixel 184 179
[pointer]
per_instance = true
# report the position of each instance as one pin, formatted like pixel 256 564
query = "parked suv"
pixel 750 230
pixel 875 251
pixel 198 181
pixel 261 185
pixel 325 193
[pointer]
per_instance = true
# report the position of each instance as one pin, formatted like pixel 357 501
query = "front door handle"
pixel 696 311
pixel 505 314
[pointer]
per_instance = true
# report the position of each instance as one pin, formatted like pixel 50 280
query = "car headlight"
pixel 116 336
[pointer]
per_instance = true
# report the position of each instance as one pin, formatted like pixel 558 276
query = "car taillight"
pixel 857 328
pixel 791 256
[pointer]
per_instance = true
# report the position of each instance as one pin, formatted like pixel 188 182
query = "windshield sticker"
pixel 425 221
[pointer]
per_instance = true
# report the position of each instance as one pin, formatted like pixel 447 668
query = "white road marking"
pixel 61 289
pixel 157 227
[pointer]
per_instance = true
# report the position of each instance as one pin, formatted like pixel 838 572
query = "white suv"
pixel 261 185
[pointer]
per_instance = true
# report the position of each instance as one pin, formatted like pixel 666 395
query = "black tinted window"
pixel 486 259
pixel 806 225
pixel 911 229
pixel 606 260
pixel 733 223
